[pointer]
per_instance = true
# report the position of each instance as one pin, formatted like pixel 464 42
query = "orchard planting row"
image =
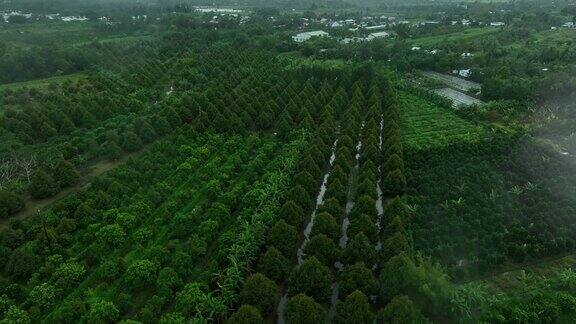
pixel 341 247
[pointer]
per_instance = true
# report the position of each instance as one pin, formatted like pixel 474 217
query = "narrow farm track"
pixel 93 171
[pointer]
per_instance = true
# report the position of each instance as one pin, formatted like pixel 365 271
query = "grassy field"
pixel 465 35
pixel 426 124
pixel 70 33
pixel 294 61
pixel 544 276
pixel 125 39
pixel 559 36
pixel 42 83
pixel 548 38
pixel 515 278
pixel 29 35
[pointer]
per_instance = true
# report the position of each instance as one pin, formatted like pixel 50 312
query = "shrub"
pixel 292 214
pixel 395 245
pixel 141 273
pixel 394 162
pixel 306 180
pixel 283 237
pixel 300 196
pixel 302 309
pixel 246 314
pixel 311 278
pixel 400 310
pixel 399 276
pixel 172 318
pixel 323 248
pixel 260 292
pixel 103 312
pixel 10 203
pixel 43 185
pixel 355 309
pixel 363 224
pixel 168 277
pixel 131 142
pixel 359 249
pixel 326 224
pixel 111 235
pixel 357 277
pixel 69 274
pixel 16 315
pixel 274 265
pixel 394 183
pixel 65 174
pixel 332 206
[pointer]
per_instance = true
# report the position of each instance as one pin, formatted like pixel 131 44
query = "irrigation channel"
pixel 345 223
pixel 308 230
pixel 380 200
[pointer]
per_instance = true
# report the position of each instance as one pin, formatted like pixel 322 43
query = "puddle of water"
pixel 319 202
pixel 379 193
pixel 343 238
pixel 282 308
pixel 307 230
pixel 333 301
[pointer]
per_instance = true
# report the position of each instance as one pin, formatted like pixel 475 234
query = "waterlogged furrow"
pixel 308 229
pixel 379 201
pixel 345 224
pixel 319 202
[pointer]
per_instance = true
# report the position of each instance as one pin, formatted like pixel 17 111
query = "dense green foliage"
pixel 202 167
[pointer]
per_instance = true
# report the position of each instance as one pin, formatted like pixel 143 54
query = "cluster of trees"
pixel 108 115
pixel 231 179
pixel 510 202
pixel 49 57
pixel 41 62
pixel 309 285
pixel 91 234
pixel 75 125
pixel 90 119
pixel 533 297
pixel 321 250
pixel 522 61
pixel 359 255
pixel 274 264
pixel 150 198
pixel 536 298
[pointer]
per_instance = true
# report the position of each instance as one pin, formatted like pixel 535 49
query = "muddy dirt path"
pixel 86 177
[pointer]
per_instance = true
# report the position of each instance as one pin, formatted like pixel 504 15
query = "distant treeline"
pixel 76 6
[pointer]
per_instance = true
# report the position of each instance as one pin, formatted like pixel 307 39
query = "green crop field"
pixel 42 83
pixel 427 125
pixel 463 36
pixel 44 33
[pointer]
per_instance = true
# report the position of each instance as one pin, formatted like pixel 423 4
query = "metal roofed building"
pixel 302 37
pixel 381 34
pixel 376 27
